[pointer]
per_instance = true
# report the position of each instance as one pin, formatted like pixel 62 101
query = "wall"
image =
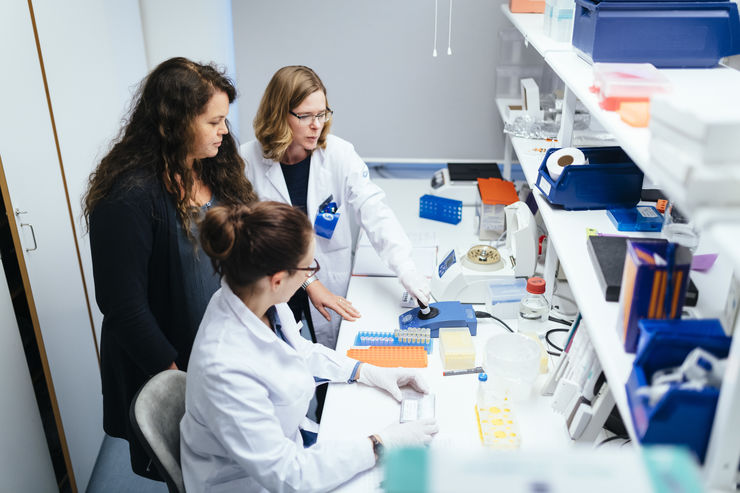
pixel 93 64
pixel 197 29
pixel 391 97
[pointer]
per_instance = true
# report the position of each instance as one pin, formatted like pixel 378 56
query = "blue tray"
pixel 610 181
pixel 667 34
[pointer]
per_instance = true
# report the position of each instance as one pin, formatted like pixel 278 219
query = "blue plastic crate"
pixel 610 181
pixel 682 416
pixel 440 209
pixel 666 34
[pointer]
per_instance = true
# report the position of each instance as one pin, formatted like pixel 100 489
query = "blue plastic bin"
pixel 440 209
pixel 681 417
pixel 610 181
pixel 666 34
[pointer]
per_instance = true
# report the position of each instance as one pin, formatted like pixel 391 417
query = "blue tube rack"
pixel 440 209
pixel 401 337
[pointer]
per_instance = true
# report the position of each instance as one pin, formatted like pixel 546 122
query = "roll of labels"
pixel 567 156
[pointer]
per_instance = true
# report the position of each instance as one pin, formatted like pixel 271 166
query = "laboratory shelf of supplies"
pixel 720 233
pixel 577 75
pixel 567 232
pixel 532 28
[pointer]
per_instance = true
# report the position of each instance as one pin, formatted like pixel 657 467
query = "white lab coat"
pixel 336 170
pixel 247 395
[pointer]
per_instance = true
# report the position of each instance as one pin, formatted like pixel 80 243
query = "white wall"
pixel 391 97
pixel 94 58
pixel 197 29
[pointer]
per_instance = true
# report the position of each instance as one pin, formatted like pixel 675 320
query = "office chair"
pixel 155 416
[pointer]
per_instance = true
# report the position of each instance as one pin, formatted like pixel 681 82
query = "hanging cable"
pixel 434 52
pixel 449 32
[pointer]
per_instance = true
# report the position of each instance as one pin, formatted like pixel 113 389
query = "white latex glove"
pixel 416 284
pixel 390 379
pixel 409 434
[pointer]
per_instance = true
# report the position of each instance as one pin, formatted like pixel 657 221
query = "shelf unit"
pixel 567 236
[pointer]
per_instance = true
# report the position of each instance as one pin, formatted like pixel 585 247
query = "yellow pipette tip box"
pixel 456 348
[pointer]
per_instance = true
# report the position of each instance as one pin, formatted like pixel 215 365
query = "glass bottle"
pixel 534 308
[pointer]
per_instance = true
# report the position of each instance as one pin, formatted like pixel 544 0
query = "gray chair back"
pixel 155 415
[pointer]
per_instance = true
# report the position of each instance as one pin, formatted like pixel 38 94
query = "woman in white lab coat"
pixel 251 375
pixel 295 160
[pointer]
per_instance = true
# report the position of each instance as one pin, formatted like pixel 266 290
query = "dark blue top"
pixel 198 276
pixel 296 178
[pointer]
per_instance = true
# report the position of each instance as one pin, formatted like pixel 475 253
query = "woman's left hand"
pixel 322 299
pixel 391 379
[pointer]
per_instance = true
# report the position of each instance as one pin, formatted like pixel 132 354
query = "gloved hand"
pixel 409 434
pixel 416 284
pixel 390 379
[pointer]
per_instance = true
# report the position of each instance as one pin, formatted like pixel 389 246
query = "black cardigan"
pixel 139 289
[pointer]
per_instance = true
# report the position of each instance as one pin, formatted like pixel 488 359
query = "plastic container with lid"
pixel 627 82
pixel 534 308
pixel 512 362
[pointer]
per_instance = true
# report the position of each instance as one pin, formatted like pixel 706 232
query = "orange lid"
pixel 495 191
pixel 536 285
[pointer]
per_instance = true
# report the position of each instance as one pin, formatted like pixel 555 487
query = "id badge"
pixel 325 223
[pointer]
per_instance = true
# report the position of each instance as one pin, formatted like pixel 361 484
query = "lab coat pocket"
pixel 340 239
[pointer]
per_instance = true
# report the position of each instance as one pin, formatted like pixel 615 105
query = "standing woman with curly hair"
pixel 172 161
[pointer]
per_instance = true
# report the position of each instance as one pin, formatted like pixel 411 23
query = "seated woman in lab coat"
pixel 295 160
pixel 251 375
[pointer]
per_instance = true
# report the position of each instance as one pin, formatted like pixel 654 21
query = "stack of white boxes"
pixel 695 140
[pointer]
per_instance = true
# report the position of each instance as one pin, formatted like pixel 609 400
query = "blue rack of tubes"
pixel 415 336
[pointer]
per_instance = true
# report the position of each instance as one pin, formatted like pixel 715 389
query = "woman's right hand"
pixel 409 434
pixel 322 299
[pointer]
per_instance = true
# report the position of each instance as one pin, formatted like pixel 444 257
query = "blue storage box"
pixel 654 283
pixel 440 209
pixel 666 34
pixel 682 416
pixel 640 218
pixel 611 180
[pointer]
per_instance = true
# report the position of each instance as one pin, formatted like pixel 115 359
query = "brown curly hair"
pixel 286 90
pixel 154 141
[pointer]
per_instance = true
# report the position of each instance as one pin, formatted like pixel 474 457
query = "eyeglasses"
pixel 306 120
pixel 312 270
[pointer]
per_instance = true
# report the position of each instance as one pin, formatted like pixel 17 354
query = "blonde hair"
pixel 287 89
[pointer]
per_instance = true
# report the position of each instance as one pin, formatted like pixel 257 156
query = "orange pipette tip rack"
pixel 391 356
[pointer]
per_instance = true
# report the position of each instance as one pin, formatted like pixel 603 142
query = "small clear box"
pixel 416 405
pixel 619 82
pixel 506 294
pixel 456 348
